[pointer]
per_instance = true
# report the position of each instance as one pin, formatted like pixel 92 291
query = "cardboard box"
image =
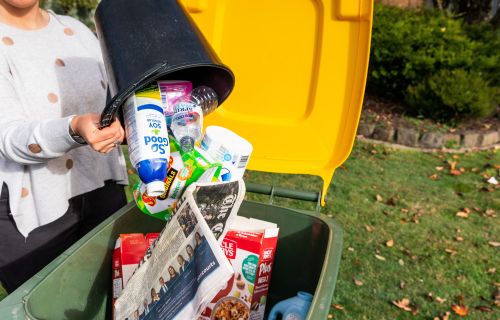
pixel 128 252
pixel 250 246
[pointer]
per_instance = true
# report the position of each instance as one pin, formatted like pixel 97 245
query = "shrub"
pixel 414 51
pixel 452 94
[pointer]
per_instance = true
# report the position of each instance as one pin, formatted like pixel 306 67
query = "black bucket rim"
pixel 154 74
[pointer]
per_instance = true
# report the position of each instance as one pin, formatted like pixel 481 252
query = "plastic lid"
pixel 299 99
pixel 155 188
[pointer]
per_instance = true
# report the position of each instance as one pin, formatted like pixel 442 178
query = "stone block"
pixel 470 139
pixel 407 136
pixel 384 133
pixel 366 129
pixel 432 140
pixel 489 139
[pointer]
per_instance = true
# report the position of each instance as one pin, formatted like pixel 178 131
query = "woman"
pixel 173 274
pixel 182 263
pixel 60 175
pixel 190 252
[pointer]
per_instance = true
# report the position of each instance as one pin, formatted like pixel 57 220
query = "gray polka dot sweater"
pixel 46 76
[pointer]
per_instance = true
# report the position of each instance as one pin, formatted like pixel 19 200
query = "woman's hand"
pixel 102 140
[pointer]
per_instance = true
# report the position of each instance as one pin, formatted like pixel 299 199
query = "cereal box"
pixel 128 252
pixel 250 246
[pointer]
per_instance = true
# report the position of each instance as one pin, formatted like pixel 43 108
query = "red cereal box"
pixel 128 252
pixel 250 246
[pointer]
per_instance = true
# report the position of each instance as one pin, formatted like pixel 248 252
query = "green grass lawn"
pixel 381 194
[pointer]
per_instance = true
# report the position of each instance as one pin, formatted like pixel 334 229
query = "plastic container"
pixel 311 77
pixel 77 285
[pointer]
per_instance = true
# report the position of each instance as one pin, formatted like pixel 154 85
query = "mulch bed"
pixel 377 110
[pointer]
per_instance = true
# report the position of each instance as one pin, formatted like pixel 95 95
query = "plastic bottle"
pixel 206 98
pixel 147 137
pixel 295 308
pixel 187 124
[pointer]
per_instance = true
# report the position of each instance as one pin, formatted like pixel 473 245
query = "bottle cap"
pixel 155 188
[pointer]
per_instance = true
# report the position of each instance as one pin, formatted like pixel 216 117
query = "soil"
pixel 380 111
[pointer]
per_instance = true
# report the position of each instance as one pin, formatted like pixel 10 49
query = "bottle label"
pixel 147 133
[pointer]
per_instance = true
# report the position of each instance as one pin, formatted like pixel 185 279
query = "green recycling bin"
pixel 77 285
pixel 301 68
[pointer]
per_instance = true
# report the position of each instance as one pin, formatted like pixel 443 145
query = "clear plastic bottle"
pixel 206 98
pixel 187 124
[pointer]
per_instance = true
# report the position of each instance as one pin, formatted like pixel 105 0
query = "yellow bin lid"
pixel 300 69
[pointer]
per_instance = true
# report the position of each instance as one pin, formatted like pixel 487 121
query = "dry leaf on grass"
pixel 491 270
pixel 446 316
pixel 455 172
pixel 439 168
pixel 337 307
pixel 379 198
pixel 357 282
pixel 369 228
pixel 440 300
pixel 484 309
pixel 460 310
pixel 462 214
pixel 451 251
pixel 389 243
pixel 494 243
pixel 379 257
pixel 403 304
pixel 490 213
pixel 434 176
pixel 459 239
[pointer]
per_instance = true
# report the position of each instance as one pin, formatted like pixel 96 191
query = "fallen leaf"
pixel 462 169
pixel 379 257
pixel 430 296
pixel 496 166
pixel 460 310
pixel 459 239
pixel 484 308
pixel 494 244
pixel 455 172
pixel 369 228
pixel 434 176
pixel 451 252
pixel 462 214
pixel 477 209
pixel 440 300
pixel 452 164
pixel 490 213
pixel 379 198
pixel 402 285
pixel 401 262
pixel 446 316
pixel 439 168
pixel 403 304
pixel 391 201
pixel 491 270
pixel 389 243
pixel 350 249
pixel 337 307
pixel 404 210
pixel 330 316
pixel 357 282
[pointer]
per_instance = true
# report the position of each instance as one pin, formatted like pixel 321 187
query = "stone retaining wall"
pixel 429 140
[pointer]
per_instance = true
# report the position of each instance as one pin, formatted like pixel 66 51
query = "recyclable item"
pixel 147 137
pixel 206 98
pixel 129 251
pixel 184 169
pixel 171 92
pixel 187 124
pixel 295 308
pixel 229 149
pixel 250 245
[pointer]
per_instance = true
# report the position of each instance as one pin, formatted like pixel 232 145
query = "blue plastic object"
pixel 295 308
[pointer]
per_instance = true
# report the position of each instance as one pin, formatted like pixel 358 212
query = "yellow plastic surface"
pixel 300 68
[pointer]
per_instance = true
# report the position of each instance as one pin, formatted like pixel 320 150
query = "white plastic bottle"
pixel 147 137
pixel 187 124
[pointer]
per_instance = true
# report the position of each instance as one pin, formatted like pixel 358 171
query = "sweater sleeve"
pixel 24 140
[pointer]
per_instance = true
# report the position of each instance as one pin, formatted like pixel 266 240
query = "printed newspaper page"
pixel 185 267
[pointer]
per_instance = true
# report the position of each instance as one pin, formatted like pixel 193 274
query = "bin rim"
pixel 156 73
